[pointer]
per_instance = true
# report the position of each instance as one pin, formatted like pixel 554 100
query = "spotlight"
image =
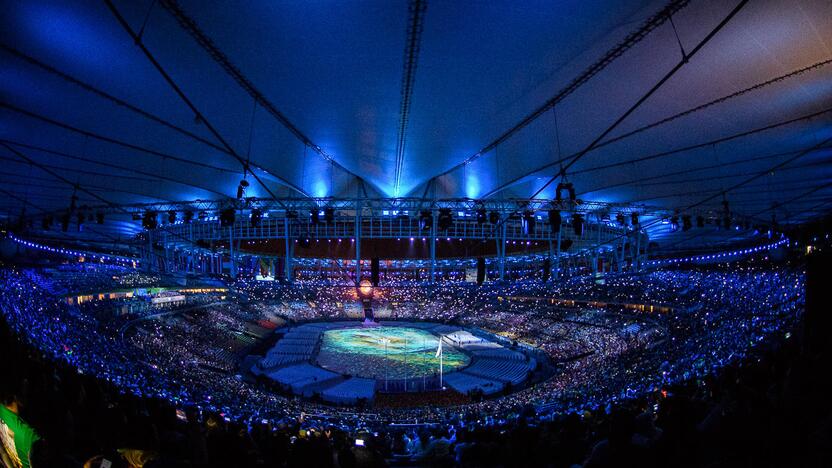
pixel 528 222
pixel 445 219
pixel 171 216
pixel 634 218
pixel 99 217
pixel 686 223
pixel 554 220
pixel 329 215
pixel 189 216
pixel 425 220
pixel 578 224
pixel 570 189
pixel 256 216
pixel 482 216
pixel 314 217
pixel 241 189
pixel 494 217
pixel 365 288
pixel 700 221
pixel 150 220
pixel 227 217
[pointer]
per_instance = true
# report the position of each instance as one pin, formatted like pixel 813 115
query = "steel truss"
pixel 601 240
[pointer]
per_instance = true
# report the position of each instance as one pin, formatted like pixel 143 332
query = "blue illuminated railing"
pixel 723 256
pixel 76 253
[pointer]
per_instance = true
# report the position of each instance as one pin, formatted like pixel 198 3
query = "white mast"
pixel 441 362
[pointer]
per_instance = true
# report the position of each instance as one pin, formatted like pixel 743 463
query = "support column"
pixel 233 269
pixel 637 257
pixel 288 263
pixel 501 250
pixel 358 243
pixel 556 266
pixel 432 246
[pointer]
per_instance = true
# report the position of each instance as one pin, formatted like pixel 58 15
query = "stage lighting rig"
pixel 227 217
pixel 65 222
pixel 425 220
pixel 445 219
pixel 189 216
pixel 171 216
pixel 528 222
pixel 570 189
pixel 482 216
pixel 555 220
pixel 256 216
pixel 241 189
pixel 578 224
pixel 150 220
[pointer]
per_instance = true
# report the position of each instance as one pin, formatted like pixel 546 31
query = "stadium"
pixel 414 233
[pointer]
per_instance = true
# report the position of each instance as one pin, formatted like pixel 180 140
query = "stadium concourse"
pixel 415 233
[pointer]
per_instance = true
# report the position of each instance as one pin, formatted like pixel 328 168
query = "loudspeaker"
pixel 547 268
pixel 374 271
pixel 480 270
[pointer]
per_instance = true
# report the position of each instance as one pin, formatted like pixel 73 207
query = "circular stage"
pixel 345 362
pixel 387 352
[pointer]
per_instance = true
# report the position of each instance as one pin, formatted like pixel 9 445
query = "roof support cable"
pixel 416 10
pixel 190 26
pixel 200 117
pixel 609 57
pixel 641 100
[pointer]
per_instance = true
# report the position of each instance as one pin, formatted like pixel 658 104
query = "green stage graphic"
pixel 387 352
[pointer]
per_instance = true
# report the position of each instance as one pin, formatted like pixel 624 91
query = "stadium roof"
pixel 664 103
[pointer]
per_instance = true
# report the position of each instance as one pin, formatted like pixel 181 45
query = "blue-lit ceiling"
pixel 334 69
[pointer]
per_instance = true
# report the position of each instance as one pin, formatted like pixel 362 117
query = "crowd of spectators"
pixel 622 374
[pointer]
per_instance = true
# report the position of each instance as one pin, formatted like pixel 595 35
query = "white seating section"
pixel 503 370
pixel 464 383
pixel 304 379
pixel 289 363
pixel 350 391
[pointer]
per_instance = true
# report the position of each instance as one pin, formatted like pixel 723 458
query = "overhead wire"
pixel 179 92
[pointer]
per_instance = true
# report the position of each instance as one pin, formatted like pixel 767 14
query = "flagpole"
pixel 405 364
pixel 424 366
pixel 441 363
